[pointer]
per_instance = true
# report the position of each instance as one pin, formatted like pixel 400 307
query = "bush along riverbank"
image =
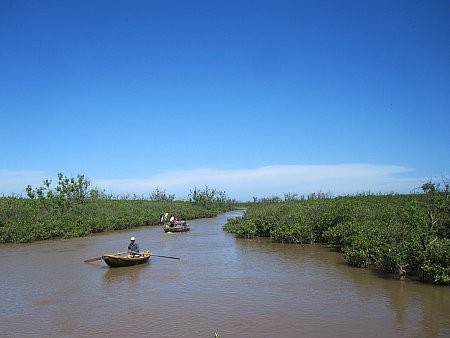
pixel 73 209
pixel 400 234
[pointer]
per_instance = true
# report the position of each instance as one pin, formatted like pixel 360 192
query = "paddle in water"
pixel 165 256
pixel 100 258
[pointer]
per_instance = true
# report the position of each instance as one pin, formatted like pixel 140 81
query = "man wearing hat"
pixel 133 247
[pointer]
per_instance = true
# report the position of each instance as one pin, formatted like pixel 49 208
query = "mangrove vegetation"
pixel 406 235
pixel 400 234
pixel 73 208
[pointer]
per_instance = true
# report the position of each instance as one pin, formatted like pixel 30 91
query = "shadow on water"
pixel 417 309
pixel 114 277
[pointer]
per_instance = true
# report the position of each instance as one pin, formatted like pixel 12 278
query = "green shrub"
pixel 437 265
pixel 395 233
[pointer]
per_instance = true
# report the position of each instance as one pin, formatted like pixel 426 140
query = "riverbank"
pixel 398 234
pixel 25 220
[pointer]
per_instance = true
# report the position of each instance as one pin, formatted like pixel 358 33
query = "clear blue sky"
pixel 254 98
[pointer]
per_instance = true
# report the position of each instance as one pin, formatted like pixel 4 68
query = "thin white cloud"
pixel 14 182
pixel 267 181
pixel 244 184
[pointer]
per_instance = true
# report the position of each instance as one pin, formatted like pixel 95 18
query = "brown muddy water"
pixel 235 287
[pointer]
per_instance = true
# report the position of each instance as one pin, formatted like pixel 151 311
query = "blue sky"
pixel 254 98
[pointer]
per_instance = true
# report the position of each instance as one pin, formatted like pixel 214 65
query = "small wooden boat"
pixel 178 226
pixel 118 260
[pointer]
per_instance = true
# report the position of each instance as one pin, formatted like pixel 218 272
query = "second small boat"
pixel 178 226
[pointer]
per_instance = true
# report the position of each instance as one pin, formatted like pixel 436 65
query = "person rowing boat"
pixel 133 248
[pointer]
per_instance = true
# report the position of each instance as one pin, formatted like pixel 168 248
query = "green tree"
pixel 68 193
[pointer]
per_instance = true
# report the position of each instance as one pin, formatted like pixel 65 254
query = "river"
pixel 235 287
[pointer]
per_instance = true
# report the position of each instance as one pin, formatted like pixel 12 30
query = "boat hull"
pixel 180 226
pixel 117 261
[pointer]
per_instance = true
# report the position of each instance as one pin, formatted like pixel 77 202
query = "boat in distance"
pixel 178 226
pixel 119 260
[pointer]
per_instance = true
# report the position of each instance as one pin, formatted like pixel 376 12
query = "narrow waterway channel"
pixel 235 287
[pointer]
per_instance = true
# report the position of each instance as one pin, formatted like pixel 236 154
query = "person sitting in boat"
pixel 172 220
pixel 133 247
pixel 164 217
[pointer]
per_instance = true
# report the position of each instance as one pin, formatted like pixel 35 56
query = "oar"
pixel 93 259
pixel 164 256
pixel 99 258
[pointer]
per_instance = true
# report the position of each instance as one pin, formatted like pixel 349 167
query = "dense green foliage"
pixel 394 233
pixel 72 209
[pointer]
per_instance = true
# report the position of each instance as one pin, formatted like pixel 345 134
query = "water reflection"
pixel 418 309
pixel 125 276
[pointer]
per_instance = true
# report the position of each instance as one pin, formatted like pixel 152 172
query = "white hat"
pixel 132 238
